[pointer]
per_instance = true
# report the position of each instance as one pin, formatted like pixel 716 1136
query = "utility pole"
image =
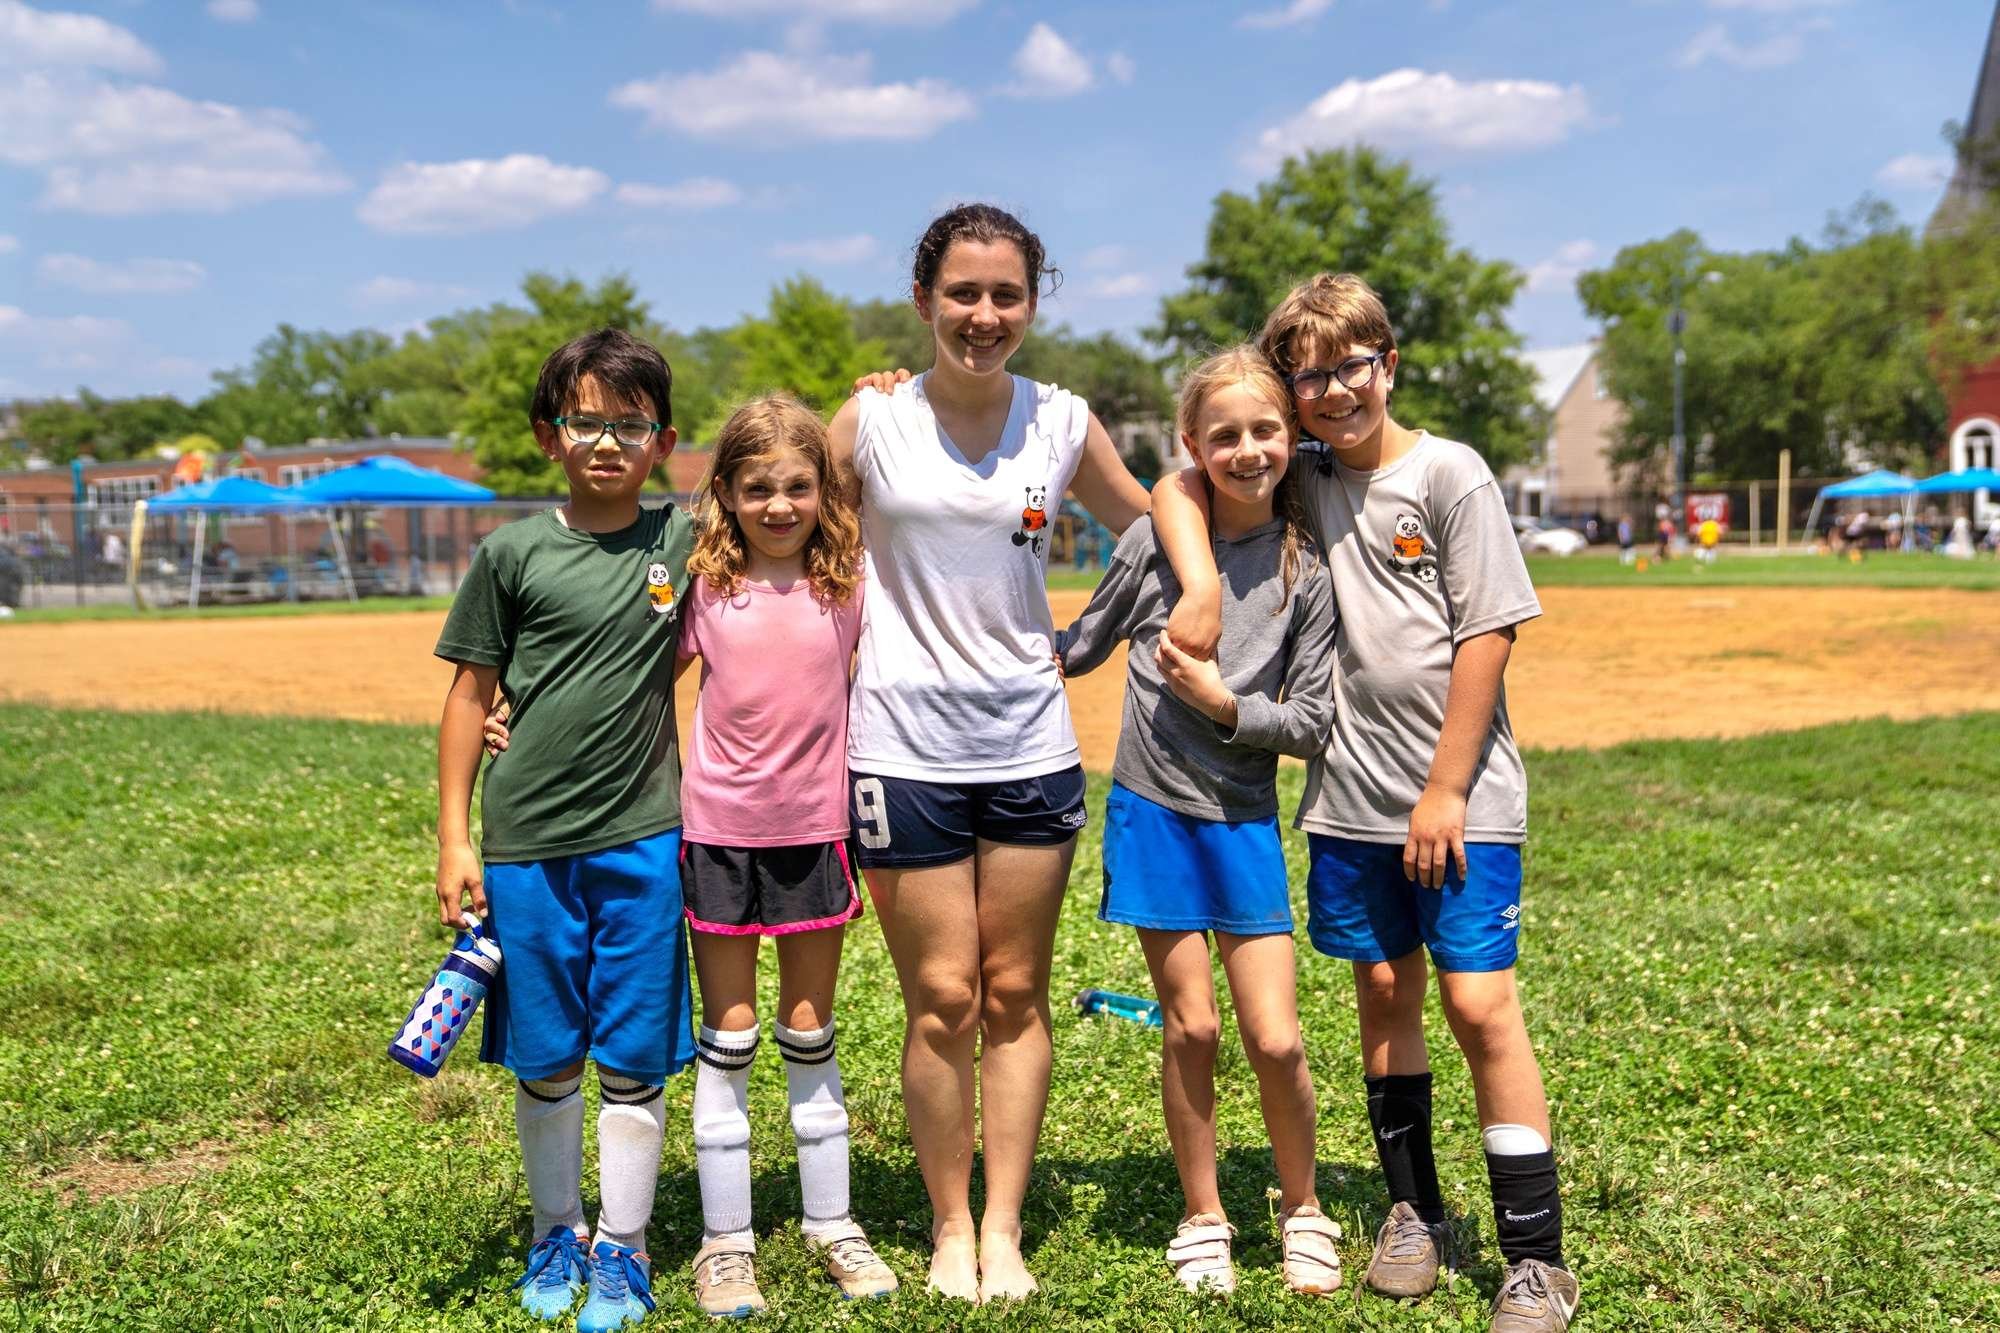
pixel 1677 485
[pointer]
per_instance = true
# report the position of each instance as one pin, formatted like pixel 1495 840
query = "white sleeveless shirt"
pixel 955 681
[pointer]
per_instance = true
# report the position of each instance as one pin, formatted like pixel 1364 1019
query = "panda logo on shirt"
pixel 1408 552
pixel 659 590
pixel 1034 519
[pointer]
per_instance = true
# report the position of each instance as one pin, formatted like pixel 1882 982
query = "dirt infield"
pixel 1602 666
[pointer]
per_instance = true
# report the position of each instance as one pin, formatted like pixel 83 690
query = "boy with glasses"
pixel 572 615
pixel 1416 811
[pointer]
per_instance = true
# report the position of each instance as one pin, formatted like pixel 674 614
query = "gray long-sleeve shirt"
pixel 1277 663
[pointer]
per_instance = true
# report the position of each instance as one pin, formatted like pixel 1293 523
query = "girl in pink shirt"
pixel 774 617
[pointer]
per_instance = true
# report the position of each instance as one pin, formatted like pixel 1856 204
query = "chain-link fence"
pixel 1749 512
pixel 91 555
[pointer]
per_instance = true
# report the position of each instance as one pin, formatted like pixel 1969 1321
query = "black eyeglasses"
pixel 631 432
pixel 1357 372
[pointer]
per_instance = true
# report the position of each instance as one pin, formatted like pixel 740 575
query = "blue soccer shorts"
pixel 1361 907
pixel 592 962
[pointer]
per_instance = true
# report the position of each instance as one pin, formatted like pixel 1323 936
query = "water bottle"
pixel 1131 1008
pixel 445 1010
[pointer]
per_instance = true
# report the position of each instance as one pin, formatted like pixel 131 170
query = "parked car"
pixel 1543 536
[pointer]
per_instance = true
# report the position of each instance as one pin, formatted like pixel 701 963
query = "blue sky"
pixel 179 176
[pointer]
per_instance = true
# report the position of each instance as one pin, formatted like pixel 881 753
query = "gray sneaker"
pixel 1407 1256
pixel 1535 1297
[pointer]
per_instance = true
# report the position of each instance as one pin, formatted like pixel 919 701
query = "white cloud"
pixel 62 333
pixel 9 244
pixel 1298 11
pixel 1560 270
pixel 127 149
pixel 1915 172
pixel 828 250
pixel 131 277
pixel 689 196
pixel 477 194
pixel 1715 43
pixel 773 99
pixel 1119 286
pixel 38 39
pixel 917 13
pixel 1048 66
pixel 1409 108
pixel 233 11
pixel 387 291
pixel 1120 67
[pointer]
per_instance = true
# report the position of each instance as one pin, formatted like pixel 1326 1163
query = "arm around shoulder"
pixel 1180 517
pixel 842 432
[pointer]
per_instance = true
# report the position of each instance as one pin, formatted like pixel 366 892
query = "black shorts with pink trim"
pixel 767 890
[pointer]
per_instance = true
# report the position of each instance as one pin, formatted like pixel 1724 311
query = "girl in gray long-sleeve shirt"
pixel 1191 841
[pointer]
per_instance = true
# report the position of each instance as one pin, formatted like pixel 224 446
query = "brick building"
pixel 1973 428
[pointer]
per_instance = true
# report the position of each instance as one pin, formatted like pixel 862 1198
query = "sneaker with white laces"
pixel 725 1278
pixel 1535 1297
pixel 621 1289
pixel 555 1276
pixel 1199 1253
pixel 1407 1255
pixel 1312 1264
pixel 852 1262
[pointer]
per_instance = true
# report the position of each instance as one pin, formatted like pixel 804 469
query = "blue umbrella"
pixel 386 481
pixel 1972 479
pixel 1869 485
pixel 242 494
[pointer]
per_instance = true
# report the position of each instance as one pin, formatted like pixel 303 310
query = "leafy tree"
pixel 1120 382
pixel 300 385
pixel 905 338
pixel 806 345
pixel 1820 350
pixel 1359 211
pixel 105 428
pixel 500 376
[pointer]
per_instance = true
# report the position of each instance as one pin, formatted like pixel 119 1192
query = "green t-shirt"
pixel 582 626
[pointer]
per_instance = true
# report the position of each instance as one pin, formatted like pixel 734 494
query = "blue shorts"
pixel 1164 870
pixel 905 824
pixel 1361 907
pixel 592 961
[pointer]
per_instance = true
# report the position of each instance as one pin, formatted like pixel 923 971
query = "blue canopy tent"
pixel 385 481
pixel 388 482
pixel 236 495
pixel 1878 484
pixel 1952 483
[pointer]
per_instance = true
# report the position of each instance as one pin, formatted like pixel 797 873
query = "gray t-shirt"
pixel 1275 661
pixel 1422 557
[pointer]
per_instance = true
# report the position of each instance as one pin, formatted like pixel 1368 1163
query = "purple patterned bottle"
pixel 445 1010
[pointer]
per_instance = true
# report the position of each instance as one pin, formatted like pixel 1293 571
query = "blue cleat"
pixel 621 1289
pixel 557 1267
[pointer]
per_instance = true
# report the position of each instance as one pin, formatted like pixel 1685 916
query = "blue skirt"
pixel 1164 870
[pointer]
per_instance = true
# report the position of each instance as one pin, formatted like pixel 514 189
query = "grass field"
pixel 1761 973
pixel 126 611
pixel 1880 569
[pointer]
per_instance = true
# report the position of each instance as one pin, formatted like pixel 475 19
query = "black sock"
pixel 1399 1110
pixel 1527 1207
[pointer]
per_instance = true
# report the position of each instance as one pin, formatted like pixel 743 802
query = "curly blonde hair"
pixel 757 430
pixel 1244 364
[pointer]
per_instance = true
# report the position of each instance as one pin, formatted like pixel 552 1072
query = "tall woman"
pixel 966 783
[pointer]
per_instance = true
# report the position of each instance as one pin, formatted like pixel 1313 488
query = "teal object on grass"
pixel 1131 1008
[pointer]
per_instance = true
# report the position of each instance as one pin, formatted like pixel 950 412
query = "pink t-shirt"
pixel 766 762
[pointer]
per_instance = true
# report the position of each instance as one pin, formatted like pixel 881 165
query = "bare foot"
pixel 955 1261
pixel 1002 1274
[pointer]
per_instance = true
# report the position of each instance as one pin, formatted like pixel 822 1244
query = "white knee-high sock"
pixel 819 1123
pixel 722 1129
pixel 548 1118
pixel 631 1125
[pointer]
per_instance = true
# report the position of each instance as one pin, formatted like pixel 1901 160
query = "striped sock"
pixel 819 1123
pixel 722 1129
pixel 548 1118
pixel 631 1125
